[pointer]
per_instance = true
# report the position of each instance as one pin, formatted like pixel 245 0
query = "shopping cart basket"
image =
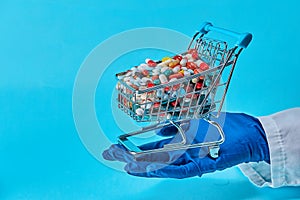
pixel 193 96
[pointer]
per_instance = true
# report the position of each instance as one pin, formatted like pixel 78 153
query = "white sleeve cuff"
pixel 284 157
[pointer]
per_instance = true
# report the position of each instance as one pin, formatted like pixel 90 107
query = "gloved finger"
pixel 160 170
pixel 117 152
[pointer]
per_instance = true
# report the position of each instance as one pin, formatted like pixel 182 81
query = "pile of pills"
pixel 153 73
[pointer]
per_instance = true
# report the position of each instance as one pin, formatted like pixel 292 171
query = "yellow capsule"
pixel 174 63
pixel 181 71
pixel 165 59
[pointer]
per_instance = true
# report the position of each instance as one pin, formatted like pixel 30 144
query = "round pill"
pixel 139 111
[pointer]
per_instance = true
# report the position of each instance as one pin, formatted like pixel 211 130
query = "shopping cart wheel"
pixel 214 151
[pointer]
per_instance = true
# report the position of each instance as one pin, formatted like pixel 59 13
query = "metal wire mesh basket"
pixel 199 93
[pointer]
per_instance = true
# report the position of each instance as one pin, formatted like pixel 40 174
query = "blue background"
pixel 42 45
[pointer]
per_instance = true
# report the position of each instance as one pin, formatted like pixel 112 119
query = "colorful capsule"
pixel 175 103
pixel 183 61
pixel 156 81
pixel 163 69
pixel 177 57
pixel 203 66
pixel 174 63
pixel 181 72
pixel 199 85
pixel 176 69
pixel 154 77
pixel 177 76
pixel 191 65
pixel 186 73
pixel 197 71
pixel 167 89
pixel 150 62
pixel 149 84
pixel 165 59
pixel 145 72
pixel 194 53
pixel 168 72
pixel 163 79
pixel 156 104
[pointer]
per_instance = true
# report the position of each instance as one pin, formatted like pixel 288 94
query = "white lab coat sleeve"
pixel 283 134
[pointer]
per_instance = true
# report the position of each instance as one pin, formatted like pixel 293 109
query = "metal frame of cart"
pixel 209 98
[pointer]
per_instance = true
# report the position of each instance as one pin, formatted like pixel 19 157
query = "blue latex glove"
pixel 245 141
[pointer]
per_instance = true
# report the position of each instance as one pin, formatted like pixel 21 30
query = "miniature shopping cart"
pixel 175 103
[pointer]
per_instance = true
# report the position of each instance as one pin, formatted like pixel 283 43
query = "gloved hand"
pixel 245 141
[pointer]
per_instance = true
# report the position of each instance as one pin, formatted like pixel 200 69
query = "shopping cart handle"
pixel 243 38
